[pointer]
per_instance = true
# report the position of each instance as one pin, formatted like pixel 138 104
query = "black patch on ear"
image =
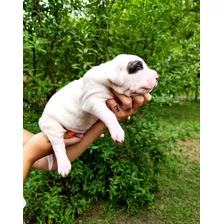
pixel 134 66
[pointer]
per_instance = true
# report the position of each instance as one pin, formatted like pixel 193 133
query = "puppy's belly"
pixel 78 123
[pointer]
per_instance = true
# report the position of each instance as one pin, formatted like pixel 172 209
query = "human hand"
pixel 123 106
pixel 41 142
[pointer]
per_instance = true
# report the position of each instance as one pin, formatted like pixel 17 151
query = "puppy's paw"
pixel 64 167
pixel 117 133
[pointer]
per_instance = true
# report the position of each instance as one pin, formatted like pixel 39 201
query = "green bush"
pixel 125 174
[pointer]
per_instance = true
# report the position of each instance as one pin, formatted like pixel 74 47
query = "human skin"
pixel 37 147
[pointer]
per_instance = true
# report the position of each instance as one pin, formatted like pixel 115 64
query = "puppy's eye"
pixel 134 66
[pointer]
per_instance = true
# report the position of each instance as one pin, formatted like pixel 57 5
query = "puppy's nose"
pixel 155 75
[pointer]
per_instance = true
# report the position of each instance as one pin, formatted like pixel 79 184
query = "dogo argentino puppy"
pixel 78 105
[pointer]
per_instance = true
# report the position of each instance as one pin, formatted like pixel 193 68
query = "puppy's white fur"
pixel 78 105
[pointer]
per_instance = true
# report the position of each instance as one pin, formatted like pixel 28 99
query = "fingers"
pixel 139 100
pixel 147 98
pixel 72 140
pixel 114 106
pixel 41 141
pixel 137 103
pixel 125 101
pixel 117 109
pixel 123 106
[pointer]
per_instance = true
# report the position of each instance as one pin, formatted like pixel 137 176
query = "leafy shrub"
pixel 125 174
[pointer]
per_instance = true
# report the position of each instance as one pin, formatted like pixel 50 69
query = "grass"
pixel 178 198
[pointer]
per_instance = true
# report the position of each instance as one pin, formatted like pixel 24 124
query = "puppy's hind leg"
pixel 55 133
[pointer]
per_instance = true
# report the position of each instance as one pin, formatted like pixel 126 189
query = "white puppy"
pixel 78 105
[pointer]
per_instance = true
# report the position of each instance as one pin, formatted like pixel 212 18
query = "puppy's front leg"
pixel 100 110
pixel 55 133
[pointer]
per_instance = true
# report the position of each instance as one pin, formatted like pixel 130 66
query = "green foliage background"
pixel 62 40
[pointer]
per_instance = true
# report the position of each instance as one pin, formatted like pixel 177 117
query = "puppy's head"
pixel 129 75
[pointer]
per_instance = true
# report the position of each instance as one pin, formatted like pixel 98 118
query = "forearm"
pixel 34 154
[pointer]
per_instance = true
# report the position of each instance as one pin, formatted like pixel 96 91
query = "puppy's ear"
pixel 115 75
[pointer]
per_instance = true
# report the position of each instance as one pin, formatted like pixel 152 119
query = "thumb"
pixel 72 140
